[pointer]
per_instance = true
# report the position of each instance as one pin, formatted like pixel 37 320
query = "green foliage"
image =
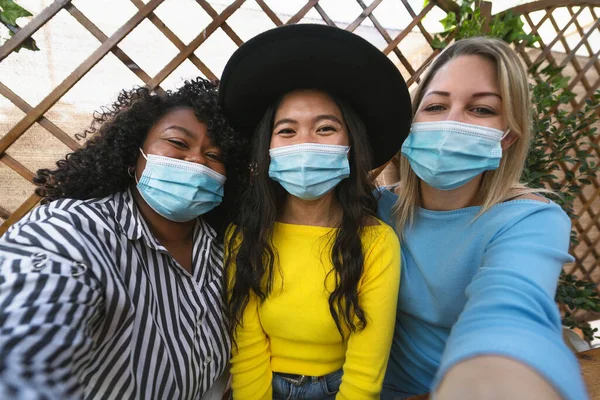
pixel 9 13
pixel 561 138
pixel 577 294
pixel 469 22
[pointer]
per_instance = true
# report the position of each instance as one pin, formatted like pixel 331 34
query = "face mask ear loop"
pixel 135 175
pixel 505 134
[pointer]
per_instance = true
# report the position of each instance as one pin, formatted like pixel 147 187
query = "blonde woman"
pixel 481 253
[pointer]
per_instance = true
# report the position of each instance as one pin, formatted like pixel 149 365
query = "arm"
pixel 251 360
pixel 368 350
pixel 47 317
pixel 510 318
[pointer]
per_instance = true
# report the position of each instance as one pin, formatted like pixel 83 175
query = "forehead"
pixel 180 115
pixel 466 73
pixel 311 101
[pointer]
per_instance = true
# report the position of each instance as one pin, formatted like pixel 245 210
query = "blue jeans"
pixel 311 388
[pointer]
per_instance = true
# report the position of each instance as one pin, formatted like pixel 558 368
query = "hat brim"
pixel 319 57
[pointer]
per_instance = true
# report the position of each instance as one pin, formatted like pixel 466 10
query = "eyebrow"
pixel 475 95
pixel 185 131
pixel 318 118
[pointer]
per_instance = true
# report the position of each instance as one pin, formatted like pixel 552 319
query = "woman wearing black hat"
pixel 313 274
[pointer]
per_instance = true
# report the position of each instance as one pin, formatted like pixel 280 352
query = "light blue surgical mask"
pixel 448 154
pixel 309 170
pixel 179 190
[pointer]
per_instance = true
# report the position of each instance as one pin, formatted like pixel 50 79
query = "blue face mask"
pixel 309 170
pixel 179 190
pixel 448 154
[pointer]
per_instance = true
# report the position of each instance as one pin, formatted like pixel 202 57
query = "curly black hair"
pixel 100 168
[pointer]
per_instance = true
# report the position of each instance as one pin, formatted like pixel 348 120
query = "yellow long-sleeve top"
pixel 293 330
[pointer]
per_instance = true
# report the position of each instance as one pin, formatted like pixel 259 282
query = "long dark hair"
pixel 100 168
pixel 251 259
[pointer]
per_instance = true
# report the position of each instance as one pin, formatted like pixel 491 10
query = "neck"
pixel 447 200
pixel 324 211
pixel 166 231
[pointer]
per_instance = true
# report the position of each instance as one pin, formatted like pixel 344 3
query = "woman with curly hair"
pixel 314 275
pixel 112 289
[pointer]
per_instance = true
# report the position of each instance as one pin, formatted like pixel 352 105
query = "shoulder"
pixel 531 220
pixel 59 225
pixel 532 196
pixel 379 235
pixel 386 200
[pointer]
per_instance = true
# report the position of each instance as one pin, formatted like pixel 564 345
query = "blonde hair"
pixel 502 183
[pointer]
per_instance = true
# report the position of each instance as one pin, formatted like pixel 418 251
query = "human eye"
pixel 178 143
pixel 327 129
pixel 434 108
pixel 214 156
pixel 285 131
pixel 483 111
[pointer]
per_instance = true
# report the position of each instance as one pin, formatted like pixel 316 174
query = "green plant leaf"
pixel 11 11
pixel 449 21
pixel 436 43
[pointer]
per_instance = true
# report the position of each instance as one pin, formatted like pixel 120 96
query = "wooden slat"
pixel 559 34
pixel 412 13
pixel 226 28
pixel 581 74
pixel 98 34
pixel 544 4
pixel 406 30
pixel 582 34
pixel 571 56
pixel 4 213
pixel 325 17
pixel 43 121
pixel 303 11
pixel 173 38
pixel 75 76
pixel 194 44
pixel 388 39
pixel 32 27
pixel 366 12
pixel 447 5
pixel 17 167
pixel 20 212
pixel 267 10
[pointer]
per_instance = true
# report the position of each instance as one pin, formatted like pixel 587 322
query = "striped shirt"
pixel 93 306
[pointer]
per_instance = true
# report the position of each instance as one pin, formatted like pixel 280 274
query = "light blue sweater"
pixel 480 286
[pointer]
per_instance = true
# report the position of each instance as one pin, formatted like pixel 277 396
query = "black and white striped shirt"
pixel 93 306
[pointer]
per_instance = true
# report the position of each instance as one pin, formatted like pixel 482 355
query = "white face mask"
pixel 448 154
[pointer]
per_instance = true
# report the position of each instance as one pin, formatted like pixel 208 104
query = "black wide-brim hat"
pixel 310 56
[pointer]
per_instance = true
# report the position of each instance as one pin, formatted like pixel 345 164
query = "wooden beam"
pixel 447 5
pixel 17 167
pixel 406 30
pixel 43 121
pixel 303 11
pixel 194 44
pixel 32 27
pixel 366 12
pixel 23 209
pixel 173 38
pixel 543 4
pixel 75 76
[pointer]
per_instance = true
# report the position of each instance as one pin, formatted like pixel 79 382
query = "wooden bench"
pixel 590 368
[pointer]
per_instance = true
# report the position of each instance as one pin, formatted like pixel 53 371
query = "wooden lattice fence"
pixel 570 32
